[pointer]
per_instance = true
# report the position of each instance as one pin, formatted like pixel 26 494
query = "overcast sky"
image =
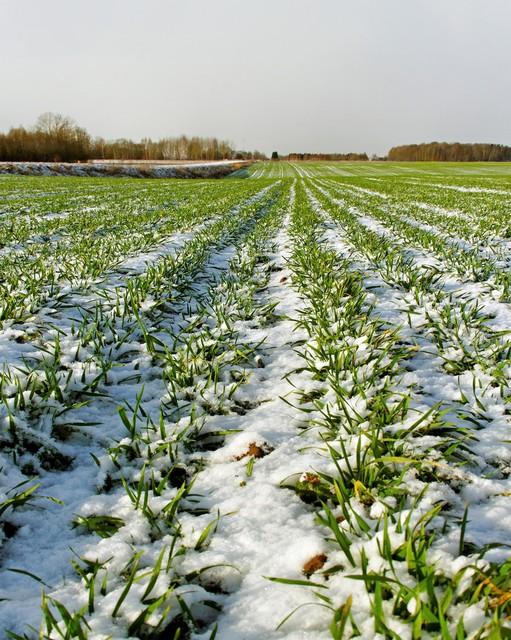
pixel 290 75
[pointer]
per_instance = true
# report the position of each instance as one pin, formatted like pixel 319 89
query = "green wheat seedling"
pixel 372 457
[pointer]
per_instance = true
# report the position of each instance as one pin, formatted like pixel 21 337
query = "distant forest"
pixel 450 152
pixel 57 138
pixel 328 157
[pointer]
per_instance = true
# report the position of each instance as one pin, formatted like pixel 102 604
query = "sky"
pixel 285 75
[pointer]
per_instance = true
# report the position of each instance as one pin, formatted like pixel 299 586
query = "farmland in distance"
pixel 275 405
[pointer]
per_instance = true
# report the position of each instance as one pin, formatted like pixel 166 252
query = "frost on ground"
pixel 265 408
pixel 143 169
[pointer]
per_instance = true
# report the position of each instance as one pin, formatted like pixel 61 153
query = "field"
pixel 275 405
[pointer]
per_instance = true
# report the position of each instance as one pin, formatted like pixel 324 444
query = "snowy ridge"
pixel 97 169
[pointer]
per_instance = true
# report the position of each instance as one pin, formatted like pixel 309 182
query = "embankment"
pixel 218 169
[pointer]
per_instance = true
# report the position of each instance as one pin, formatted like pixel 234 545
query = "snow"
pixel 461 189
pixel 258 527
pixel 125 169
pixel 426 373
pixel 266 530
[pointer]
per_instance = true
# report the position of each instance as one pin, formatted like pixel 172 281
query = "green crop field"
pixel 367 169
pixel 270 406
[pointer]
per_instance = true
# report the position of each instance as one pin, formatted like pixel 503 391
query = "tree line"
pixel 450 152
pixel 326 157
pixel 57 138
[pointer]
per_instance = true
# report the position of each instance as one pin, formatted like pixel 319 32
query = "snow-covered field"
pixel 256 409
pixel 118 168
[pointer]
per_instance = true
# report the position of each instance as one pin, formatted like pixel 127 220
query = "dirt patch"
pixel 314 564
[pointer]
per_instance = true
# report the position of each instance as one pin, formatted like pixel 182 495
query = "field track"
pixel 271 406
